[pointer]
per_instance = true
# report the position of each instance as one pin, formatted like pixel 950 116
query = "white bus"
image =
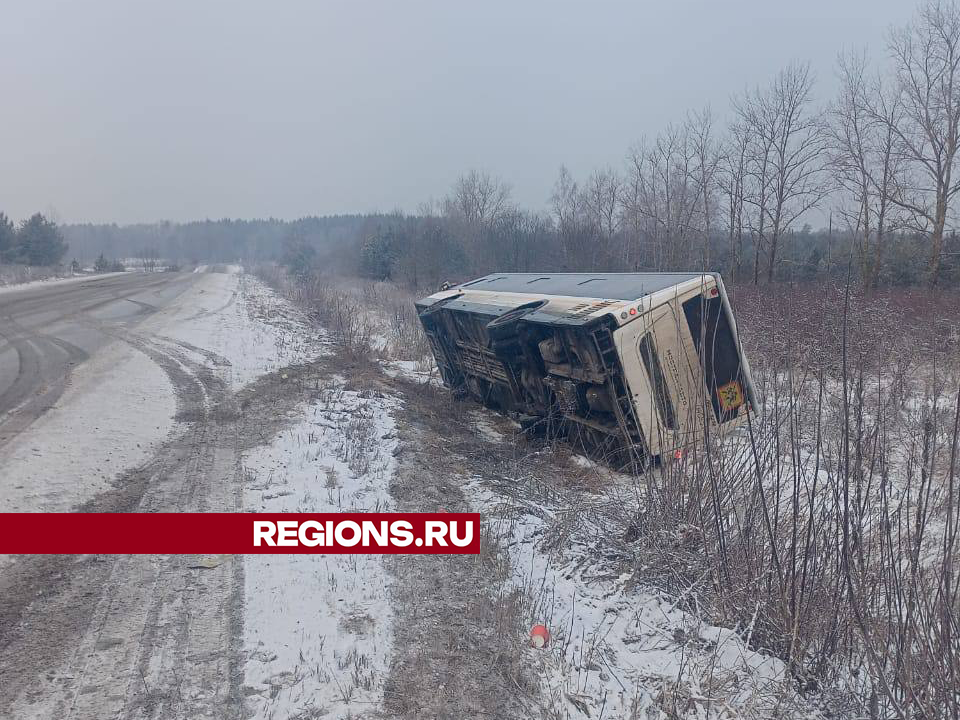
pixel 631 365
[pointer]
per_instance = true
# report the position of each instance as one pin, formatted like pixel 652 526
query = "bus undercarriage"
pixel 562 380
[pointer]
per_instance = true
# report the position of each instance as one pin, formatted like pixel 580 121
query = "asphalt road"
pixel 47 330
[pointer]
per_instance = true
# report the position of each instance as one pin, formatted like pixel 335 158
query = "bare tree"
pixel 565 204
pixel 149 257
pixel 731 180
pixel 565 198
pixel 863 160
pixel 759 122
pixel 706 154
pixel 926 55
pixel 786 162
pixel 600 199
pixel 663 197
pixel 632 218
pixel 478 197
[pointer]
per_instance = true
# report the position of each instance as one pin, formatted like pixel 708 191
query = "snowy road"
pixel 137 394
pixel 47 330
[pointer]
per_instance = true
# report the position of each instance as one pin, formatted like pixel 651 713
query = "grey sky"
pixel 125 111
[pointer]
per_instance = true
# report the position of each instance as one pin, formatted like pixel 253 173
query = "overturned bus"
pixel 629 366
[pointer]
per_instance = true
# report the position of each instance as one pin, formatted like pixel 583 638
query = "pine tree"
pixel 40 242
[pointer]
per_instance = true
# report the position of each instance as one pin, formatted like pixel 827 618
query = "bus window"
pixel 661 395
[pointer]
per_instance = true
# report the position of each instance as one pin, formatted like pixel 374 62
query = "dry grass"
pixel 366 319
pixel 828 529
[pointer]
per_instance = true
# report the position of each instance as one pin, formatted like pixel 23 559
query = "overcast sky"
pixel 125 111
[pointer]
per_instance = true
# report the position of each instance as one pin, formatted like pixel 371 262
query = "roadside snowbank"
pixel 51 282
pixel 317 628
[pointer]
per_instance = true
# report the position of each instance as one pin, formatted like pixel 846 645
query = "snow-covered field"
pixel 317 628
pixel 615 649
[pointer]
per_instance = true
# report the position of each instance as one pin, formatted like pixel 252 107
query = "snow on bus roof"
pixel 614 286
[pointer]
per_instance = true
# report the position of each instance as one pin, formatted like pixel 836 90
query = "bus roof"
pixel 612 286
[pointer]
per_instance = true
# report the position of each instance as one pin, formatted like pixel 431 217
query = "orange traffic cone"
pixel 539 636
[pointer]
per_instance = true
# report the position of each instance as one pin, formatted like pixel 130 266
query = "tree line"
pixel 35 241
pixel 208 241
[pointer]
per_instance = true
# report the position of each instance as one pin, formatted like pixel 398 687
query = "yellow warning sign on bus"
pixel 730 395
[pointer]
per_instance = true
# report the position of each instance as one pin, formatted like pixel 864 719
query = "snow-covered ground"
pixel 415 370
pixel 50 282
pixel 317 628
pixel 241 326
pixel 617 650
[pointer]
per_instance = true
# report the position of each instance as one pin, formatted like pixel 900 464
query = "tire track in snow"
pixel 37 385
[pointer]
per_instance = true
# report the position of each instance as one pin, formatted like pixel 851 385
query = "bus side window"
pixel 661 395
